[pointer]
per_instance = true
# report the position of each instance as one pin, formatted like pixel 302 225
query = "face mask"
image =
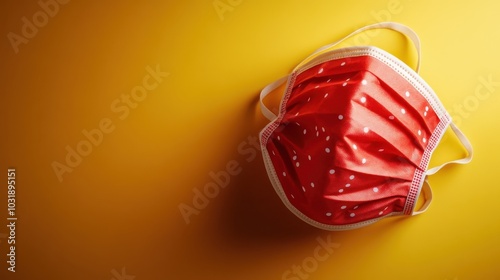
pixel 354 135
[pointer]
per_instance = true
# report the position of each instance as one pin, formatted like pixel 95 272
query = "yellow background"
pixel 119 208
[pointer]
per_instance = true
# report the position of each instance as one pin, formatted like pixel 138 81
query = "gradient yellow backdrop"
pixel 117 215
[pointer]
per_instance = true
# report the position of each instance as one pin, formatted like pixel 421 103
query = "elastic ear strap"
pixel 403 29
pixel 427 192
pixel 465 142
pixel 265 91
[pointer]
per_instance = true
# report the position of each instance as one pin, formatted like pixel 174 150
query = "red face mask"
pixel 354 135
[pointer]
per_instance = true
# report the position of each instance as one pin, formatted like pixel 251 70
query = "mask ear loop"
pixel 381 25
pixel 427 192
pixel 426 188
pixel 465 142
pixel 403 29
pixel 265 91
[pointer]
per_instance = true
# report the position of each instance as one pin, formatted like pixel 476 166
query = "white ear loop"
pixel 465 142
pixel 403 29
pixel 426 188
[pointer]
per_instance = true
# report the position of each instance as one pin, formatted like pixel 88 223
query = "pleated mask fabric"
pixel 354 135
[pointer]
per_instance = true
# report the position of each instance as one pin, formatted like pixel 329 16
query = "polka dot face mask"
pixel 354 135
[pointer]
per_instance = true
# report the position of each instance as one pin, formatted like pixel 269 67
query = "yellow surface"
pixel 117 215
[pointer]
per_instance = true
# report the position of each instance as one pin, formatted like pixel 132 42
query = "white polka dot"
pixel 352 215
pixel 279 138
pixel 294 157
pixel 355 207
pixel 363 99
pixel 273 153
pixel 312 184
pixel 375 189
pixel 299 85
pixel 380 150
pixel 341 190
pixel 303 189
pixel 305 131
pixel 342 64
pixel 351 177
pixel 292 196
pixel 320 71
pixel 425 114
pixel 323 129
pixel 296 114
pixel 363 160
pixel 381 212
pixel 308 99
pixel 354 146
pixel 284 174
pixel 309 157
pixel 317 133
pixel 391 117
pixel 364 82
pixel 348 79
pixel 294 151
pixel 297 164
pixel 426 108
pixel 327 150
pixel 407 94
pixel 366 129
pixel 385 208
pixel 326 94
pixel 343 207
pixel 347 185
pixel 316 87
pixel 328 214
pixel 297 123
pixel 424 140
pixel 341 117
pixel 403 111
pixel 344 84
pixel 328 80
pixel 419 132
pixel 332 171
pixel 327 138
